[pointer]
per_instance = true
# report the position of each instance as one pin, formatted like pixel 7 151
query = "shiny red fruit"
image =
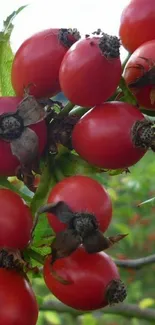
pixel 15 221
pixel 81 193
pixel 88 277
pixel 103 136
pixel 37 63
pixel 139 74
pixel 87 76
pixel 18 304
pixel 137 24
pixel 9 162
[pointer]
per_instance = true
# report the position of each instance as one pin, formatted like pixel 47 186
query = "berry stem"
pixel 129 97
pixel 35 255
pixel 58 174
pixel 126 60
pixel 79 111
pixel 65 111
pixel 47 181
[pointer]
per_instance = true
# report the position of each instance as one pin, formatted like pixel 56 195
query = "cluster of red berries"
pixel 112 134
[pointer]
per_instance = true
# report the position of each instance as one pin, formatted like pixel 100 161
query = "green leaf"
pixel 6 55
pixel 40 300
pixel 4 183
pixel 71 164
pixel 8 26
pixel 47 181
pixel 128 96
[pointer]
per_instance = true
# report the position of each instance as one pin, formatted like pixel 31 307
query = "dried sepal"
pixel 64 244
pixel 115 292
pixel 82 228
pixel 25 148
pixel 30 110
pixel 11 259
pixel 97 242
pixel 60 209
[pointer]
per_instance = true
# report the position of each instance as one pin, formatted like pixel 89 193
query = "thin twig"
pixel 136 263
pixel 126 310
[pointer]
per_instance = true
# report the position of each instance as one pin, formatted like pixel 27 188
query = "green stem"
pixel 58 174
pixel 125 61
pixel 65 111
pixel 35 255
pixel 47 181
pixel 129 97
pixel 79 111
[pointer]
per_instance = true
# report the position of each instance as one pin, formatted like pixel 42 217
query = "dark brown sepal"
pixel 11 259
pixel 115 239
pixel 115 292
pixel 68 36
pixel 25 175
pixel 96 242
pixel 143 134
pixel 64 244
pixel 60 209
pixel 60 132
pixel 109 46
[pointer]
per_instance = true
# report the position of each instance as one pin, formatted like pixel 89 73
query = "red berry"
pixel 8 161
pixel 91 70
pixel 38 60
pixel 18 304
pixel 139 74
pixel 137 24
pixel 103 136
pixel 81 194
pixel 15 221
pixel 90 280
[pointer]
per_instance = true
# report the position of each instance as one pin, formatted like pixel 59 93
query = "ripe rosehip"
pixel 81 194
pixel 15 221
pixel 18 304
pixel 91 70
pixel 104 136
pixel 8 152
pixel 93 280
pixel 38 60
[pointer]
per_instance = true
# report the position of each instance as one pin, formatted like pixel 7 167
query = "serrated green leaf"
pixel 8 26
pixel 6 55
pixel 42 232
